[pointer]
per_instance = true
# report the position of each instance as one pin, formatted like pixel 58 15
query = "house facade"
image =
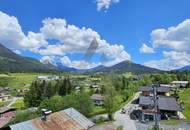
pixel 179 84
pixel 167 107
pixel 98 99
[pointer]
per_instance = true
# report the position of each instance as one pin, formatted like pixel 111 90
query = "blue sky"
pixel 125 25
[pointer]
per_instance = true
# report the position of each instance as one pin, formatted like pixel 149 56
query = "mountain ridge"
pixel 10 61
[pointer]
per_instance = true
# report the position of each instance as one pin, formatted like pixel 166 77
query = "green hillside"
pixel 9 61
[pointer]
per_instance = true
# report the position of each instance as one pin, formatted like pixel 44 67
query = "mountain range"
pixel 185 68
pixel 10 61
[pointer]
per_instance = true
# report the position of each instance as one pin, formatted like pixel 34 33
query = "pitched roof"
pixel 97 97
pixel 164 103
pixel 168 103
pixel 179 82
pixel 69 119
pixel 159 89
pixel 6 109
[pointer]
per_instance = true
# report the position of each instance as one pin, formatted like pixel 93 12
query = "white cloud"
pixel 10 31
pixel 77 64
pixel 172 60
pixel 70 39
pixel 105 4
pixel 146 49
pixel 176 37
pixel 17 52
pixel 11 35
pixel 48 60
pixel 73 39
pixel 65 60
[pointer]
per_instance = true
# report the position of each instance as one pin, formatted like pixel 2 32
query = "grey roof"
pixel 159 89
pixel 168 103
pixel 98 97
pixel 163 89
pixel 164 103
pixel 145 100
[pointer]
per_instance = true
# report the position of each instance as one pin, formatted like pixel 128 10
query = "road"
pixel 128 124
pixel 120 119
pixel 14 100
pixel 124 119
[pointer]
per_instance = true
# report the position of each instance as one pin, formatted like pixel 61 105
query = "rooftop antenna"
pixel 45 113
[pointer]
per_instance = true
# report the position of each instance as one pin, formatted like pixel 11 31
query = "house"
pixel 69 119
pixel 98 99
pixel 149 91
pixel 166 85
pixel 47 77
pixel 5 98
pixel 179 84
pixel 94 86
pixel 167 107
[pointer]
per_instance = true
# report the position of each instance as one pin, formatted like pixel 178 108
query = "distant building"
pixel 179 83
pixel 98 99
pixel 167 107
pixel 94 86
pixel 4 98
pixel 69 119
pixel 47 77
pixel 166 85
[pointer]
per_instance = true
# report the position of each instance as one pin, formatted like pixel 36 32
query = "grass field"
pixel 19 80
pixel 19 104
pixel 171 122
pixel 185 97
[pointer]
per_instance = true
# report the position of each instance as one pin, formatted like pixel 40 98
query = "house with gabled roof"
pixel 167 107
pixel 69 119
pixel 148 91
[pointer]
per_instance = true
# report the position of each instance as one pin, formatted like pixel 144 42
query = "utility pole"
pixel 156 126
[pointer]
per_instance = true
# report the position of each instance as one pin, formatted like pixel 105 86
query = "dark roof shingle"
pixel 164 103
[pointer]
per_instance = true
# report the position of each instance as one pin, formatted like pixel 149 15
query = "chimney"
pixel 45 113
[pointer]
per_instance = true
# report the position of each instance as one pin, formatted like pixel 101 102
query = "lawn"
pixel 2 104
pixel 21 80
pixel 185 97
pixel 98 110
pixel 171 122
pixel 19 104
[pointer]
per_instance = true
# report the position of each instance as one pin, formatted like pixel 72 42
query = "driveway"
pixel 124 119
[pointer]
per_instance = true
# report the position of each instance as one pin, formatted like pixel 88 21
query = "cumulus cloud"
pixel 105 4
pixel 48 60
pixel 17 52
pixel 70 39
pixel 65 60
pixel 146 49
pixel 81 64
pixel 11 35
pixel 172 60
pixel 175 38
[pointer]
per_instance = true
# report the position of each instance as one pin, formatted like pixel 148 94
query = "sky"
pixel 149 32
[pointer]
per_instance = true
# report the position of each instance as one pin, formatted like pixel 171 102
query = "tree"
pixel 110 101
pixel 55 103
pixel 80 101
